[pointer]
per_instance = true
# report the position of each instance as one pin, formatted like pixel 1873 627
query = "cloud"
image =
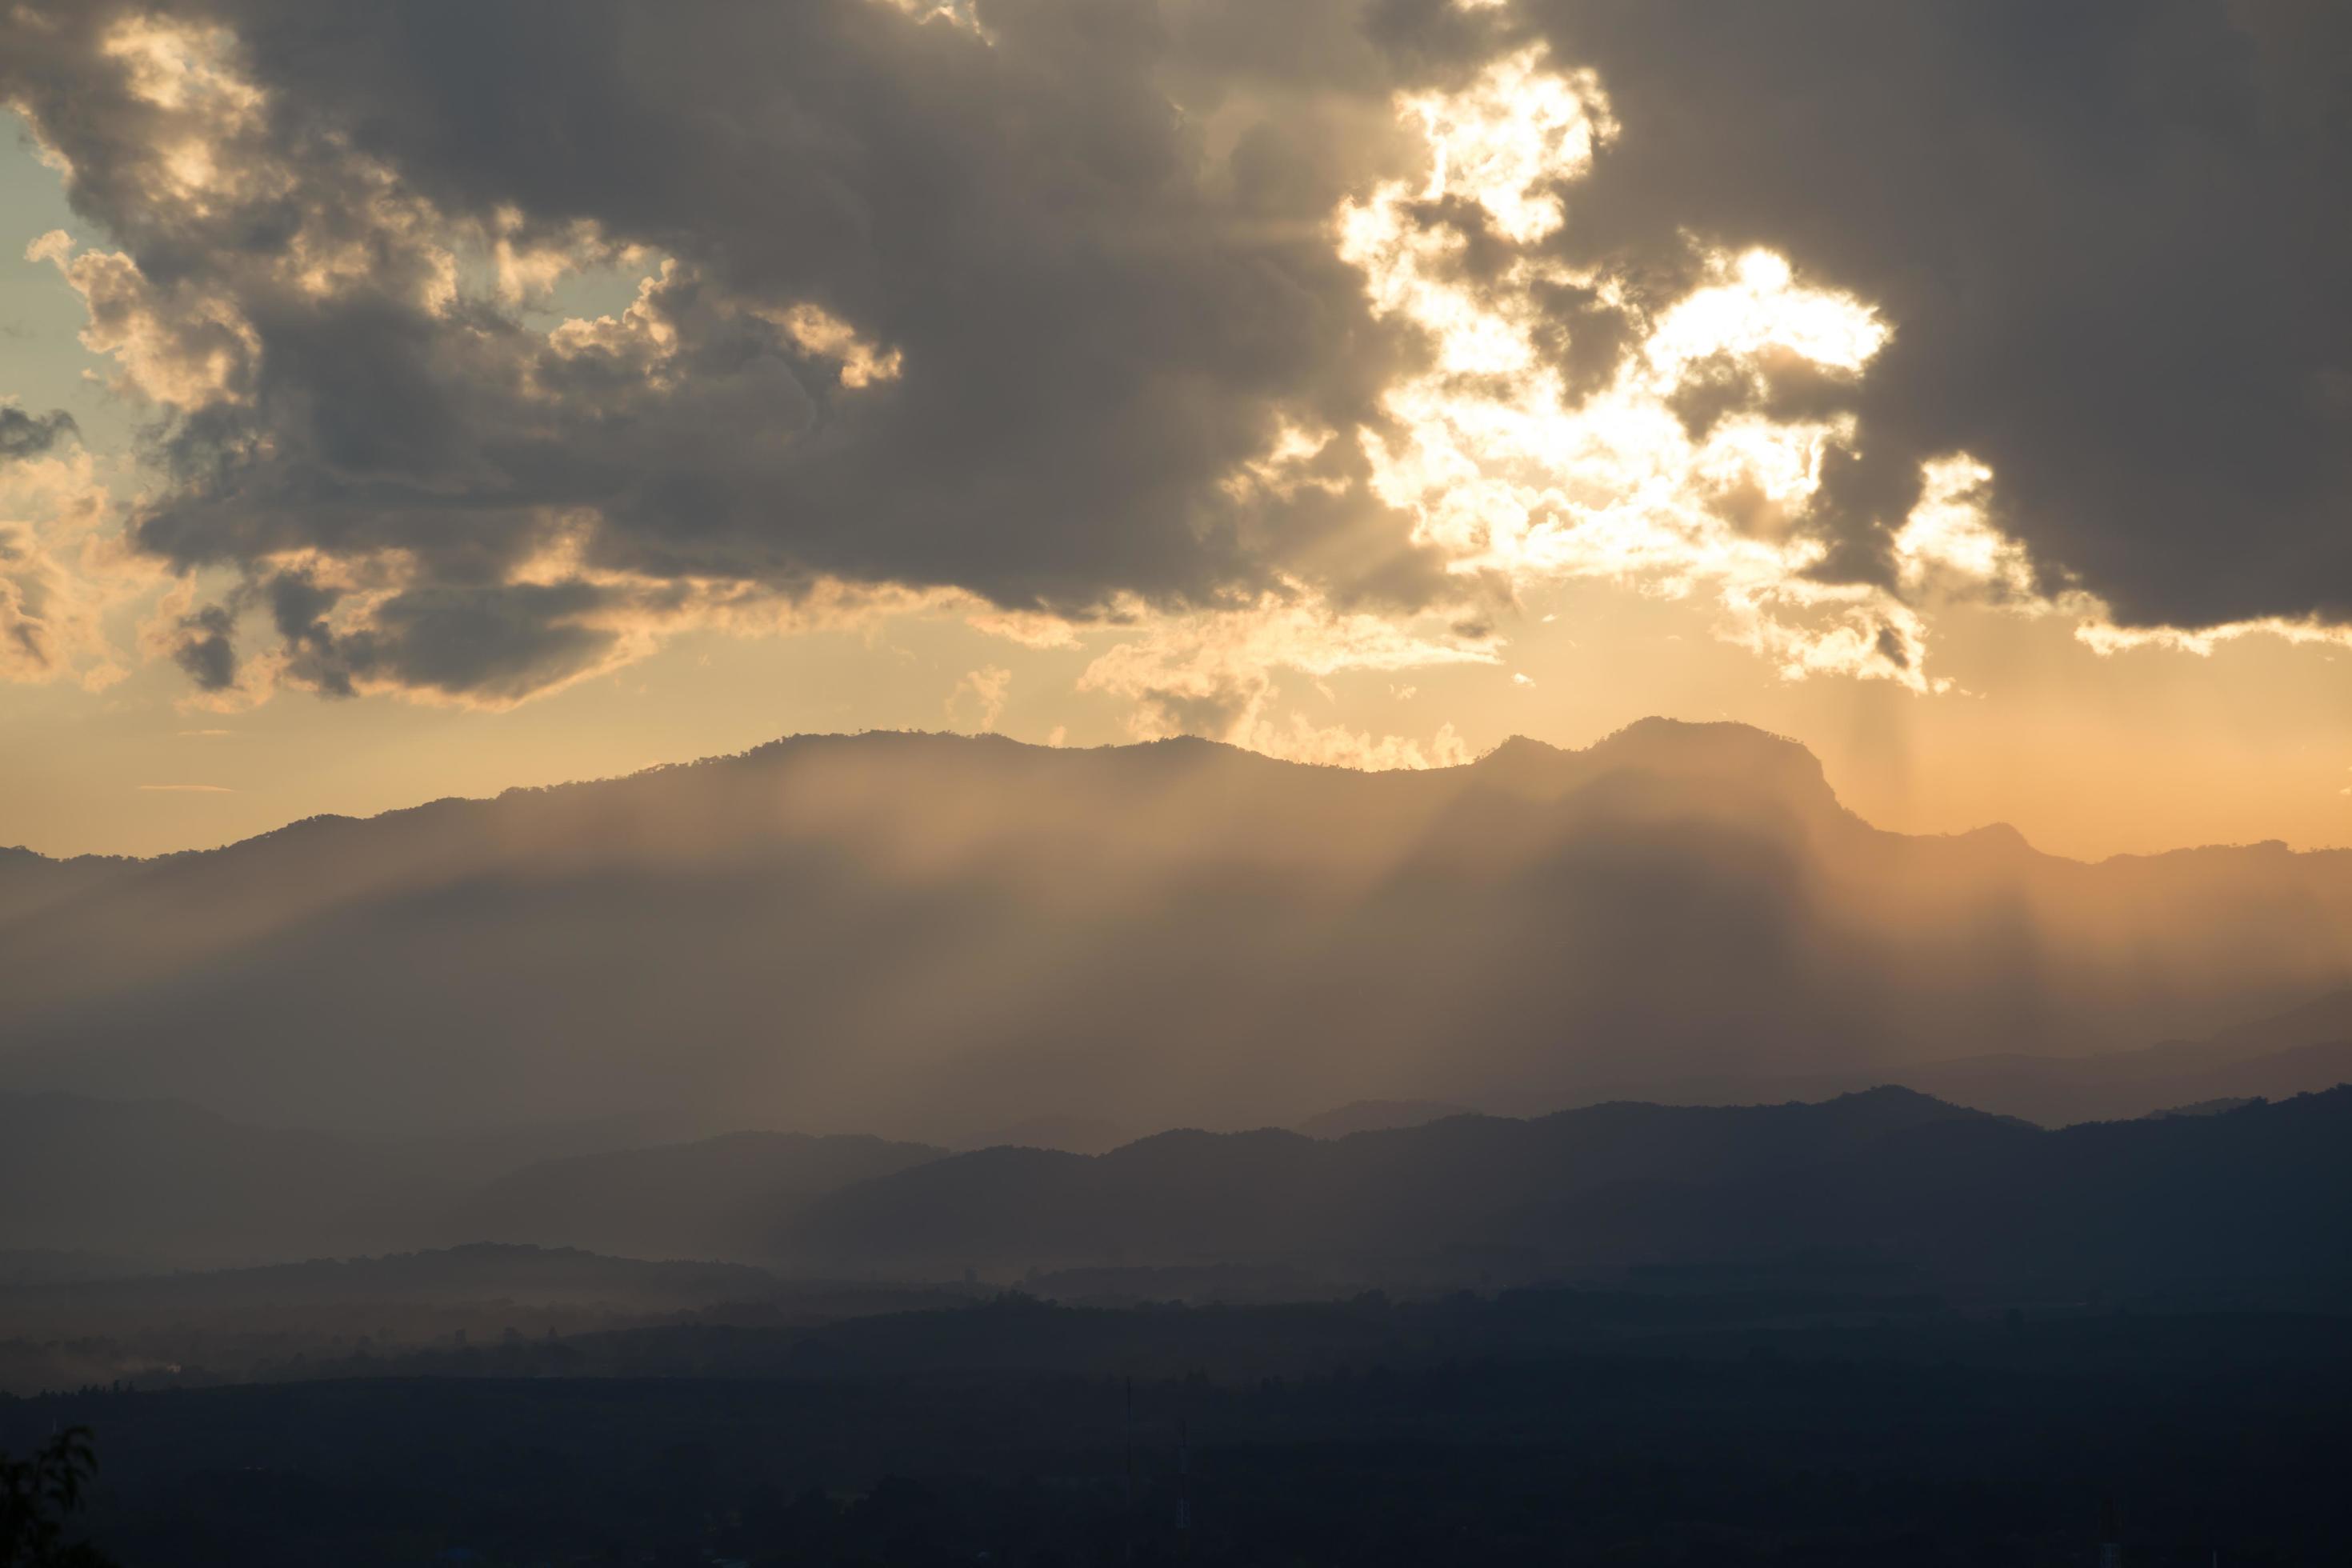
pixel 2108 242
pixel 204 652
pixel 1213 673
pixel 1150 317
pixel 1300 740
pixel 981 693
pixel 1521 469
pixel 1000 309
pixel 23 435
pixel 187 789
pixel 63 569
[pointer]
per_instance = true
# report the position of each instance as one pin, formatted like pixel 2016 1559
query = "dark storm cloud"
pixel 23 435
pixel 497 640
pixel 205 647
pixel 1086 254
pixel 1097 240
pixel 2112 241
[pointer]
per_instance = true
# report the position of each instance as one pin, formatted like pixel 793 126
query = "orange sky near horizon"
pixel 2087 756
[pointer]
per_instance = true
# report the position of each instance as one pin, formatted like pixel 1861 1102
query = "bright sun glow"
pixel 1509 472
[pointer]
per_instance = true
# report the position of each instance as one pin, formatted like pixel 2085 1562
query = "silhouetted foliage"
pixel 40 1495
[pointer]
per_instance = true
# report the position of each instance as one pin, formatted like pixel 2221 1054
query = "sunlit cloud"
pixel 65 570
pixel 818 331
pixel 1301 739
pixel 182 346
pixel 945 13
pixel 1507 472
pixel 980 696
pixel 1509 139
pixel 1752 306
pixel 1214 673
pixel 1947 536
pixel 1513 476
pixel 2106 638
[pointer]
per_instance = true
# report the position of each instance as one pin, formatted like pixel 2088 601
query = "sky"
pixel 406 403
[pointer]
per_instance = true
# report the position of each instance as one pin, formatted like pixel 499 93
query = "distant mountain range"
pixel 1078 1134
pixel 101 1187
pixel 2298 1051
pixel 1890 1182
pixel 1376 1116
pixel 935 939
pixel 2257 1195
pixel 1463 1182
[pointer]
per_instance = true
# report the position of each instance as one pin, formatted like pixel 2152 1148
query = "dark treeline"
pixel 1551 1427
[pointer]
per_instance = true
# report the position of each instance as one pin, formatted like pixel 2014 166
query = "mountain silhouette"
pixel 2256 1197
pixel 2260 1194
pixel 1190 1196
pixel 2303 1050
pixel 935 938
pixel 1078 1134
pixel 1375 1116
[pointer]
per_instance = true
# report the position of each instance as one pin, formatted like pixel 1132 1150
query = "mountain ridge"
pixel 931 937
pixel 1516 757
pixel 2253 1193
pixel 1188 1193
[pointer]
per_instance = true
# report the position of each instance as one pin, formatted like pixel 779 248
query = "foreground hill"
pixel 2260 1194
pixel 934 938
